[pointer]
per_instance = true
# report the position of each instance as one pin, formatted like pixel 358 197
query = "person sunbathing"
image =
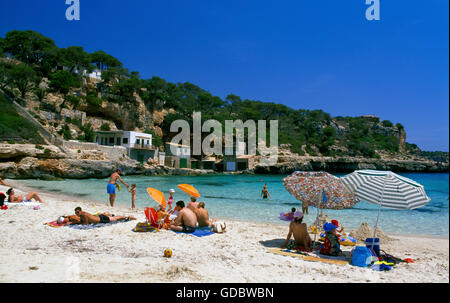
pixel 186 220
pixel 73 219
pixel 202 215
pixel 12 197
pixel 87 218
pixel 299 230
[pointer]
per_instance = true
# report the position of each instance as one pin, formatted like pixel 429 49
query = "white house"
pixel 139 145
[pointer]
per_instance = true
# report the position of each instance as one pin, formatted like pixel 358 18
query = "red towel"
pixel 56 224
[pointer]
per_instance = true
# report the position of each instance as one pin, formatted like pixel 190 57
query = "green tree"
pixel 28 46
pixel 104 61
pixel 105 127
pixel 75 59
pixel 23 78
pixel 2 42
pixel 62 81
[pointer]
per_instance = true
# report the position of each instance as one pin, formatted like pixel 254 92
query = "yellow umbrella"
pixel 189 189
pixel 157 196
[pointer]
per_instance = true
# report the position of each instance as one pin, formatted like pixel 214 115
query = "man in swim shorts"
pixel 111 188
pixel 186 220
pixel 87 218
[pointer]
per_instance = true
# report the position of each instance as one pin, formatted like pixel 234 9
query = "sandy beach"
pixel 34 252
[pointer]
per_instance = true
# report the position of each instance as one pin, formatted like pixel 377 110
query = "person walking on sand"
pixel 111 188
pixel 133 195
pixel 87 218
pixel 265 192
pixel 12 197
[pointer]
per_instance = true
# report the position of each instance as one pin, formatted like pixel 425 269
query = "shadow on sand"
pixel 272 243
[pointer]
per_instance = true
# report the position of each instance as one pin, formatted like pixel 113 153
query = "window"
pixel 125 140
pixel 138 141
pixel 111 140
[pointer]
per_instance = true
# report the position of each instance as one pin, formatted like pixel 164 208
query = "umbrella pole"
pixel 317 218
pixel 315 230
pixel 378 216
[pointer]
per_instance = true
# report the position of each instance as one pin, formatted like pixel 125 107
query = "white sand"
pixel 34 252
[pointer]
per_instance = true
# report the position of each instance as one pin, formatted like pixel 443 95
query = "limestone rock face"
pixel 18 151
pixel 289 162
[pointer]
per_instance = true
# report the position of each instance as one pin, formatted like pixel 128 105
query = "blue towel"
pixel 92 226
pixel 199 232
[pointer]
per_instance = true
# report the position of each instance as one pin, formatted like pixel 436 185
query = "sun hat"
pixel 329 227
pixel 171 190
pixel 335 222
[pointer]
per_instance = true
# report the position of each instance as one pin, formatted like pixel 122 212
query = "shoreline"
pixel 68 197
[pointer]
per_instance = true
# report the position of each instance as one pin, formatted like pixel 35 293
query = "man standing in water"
pixel 265 192
pixel 111 189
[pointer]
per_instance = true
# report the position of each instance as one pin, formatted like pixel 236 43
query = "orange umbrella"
pixel 157 196
pixel 189 189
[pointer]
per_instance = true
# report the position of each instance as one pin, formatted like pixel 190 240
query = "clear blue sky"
pixel 303 53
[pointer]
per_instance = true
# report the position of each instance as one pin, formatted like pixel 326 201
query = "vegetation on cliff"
pixel 14 128
pixel 34 60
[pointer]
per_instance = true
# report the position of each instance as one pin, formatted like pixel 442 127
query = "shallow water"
pixel 238 197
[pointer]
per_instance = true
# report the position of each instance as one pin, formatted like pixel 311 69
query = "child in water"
pixel 305 207
pixel 133 195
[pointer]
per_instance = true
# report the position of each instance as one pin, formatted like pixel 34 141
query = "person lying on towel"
pixel 73 219
pixel 86 218
pixel 331 246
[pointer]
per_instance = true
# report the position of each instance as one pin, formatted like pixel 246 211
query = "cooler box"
pixel 361 256
pixel 373 243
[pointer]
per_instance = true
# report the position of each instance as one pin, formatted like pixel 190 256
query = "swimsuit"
pixel 111 189
pixel 188 229
pixel 104 219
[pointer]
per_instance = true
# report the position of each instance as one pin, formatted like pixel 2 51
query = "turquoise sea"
pixel 238 197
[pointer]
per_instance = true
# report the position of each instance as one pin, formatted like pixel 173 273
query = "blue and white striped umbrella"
pixel 386 189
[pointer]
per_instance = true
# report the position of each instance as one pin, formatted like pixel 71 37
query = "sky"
pixel 305 54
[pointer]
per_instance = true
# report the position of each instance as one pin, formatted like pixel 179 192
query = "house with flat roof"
pixel 177 155
pixel 139 145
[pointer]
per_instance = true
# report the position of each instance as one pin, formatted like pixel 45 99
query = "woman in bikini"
pixel 12 197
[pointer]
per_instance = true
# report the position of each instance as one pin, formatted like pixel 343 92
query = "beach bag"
pixel 373 244
pixel 219 227
pixel 144 227
pixel 361 256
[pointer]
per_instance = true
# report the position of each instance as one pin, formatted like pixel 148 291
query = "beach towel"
pixel 9 204
pixel 308 257
pixel 56 224
pixel 145 227
pixel 199 232
pixel 93 226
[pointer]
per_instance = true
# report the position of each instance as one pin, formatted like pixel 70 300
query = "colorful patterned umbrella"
pixel 320 189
